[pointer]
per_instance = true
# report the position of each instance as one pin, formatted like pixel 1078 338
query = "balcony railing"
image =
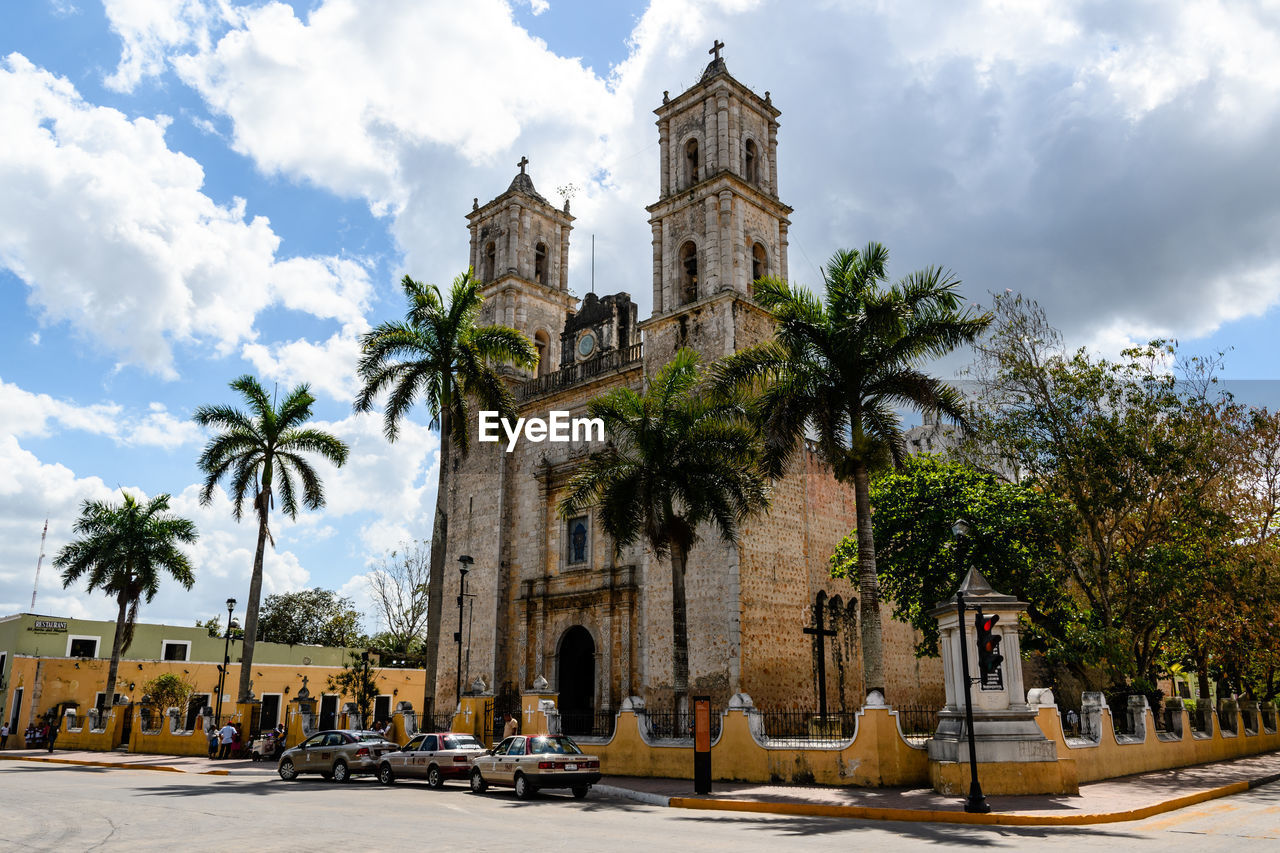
pixel 575 373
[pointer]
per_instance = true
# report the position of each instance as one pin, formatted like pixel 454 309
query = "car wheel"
pixel 524 790
pixel 340 772
pixel 287 771
pixel 434 779
pixel 385 776
pixel 580 791
pixel 478 785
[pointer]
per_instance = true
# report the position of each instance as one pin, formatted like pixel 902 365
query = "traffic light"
pixel 989 657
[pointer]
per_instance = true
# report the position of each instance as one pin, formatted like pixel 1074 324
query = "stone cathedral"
pixel 553 598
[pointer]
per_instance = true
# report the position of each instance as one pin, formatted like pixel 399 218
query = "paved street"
pixel 53 807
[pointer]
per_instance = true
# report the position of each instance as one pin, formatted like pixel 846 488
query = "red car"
pixel 435 757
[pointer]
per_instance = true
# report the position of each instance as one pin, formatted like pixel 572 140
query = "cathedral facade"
pixel 553 597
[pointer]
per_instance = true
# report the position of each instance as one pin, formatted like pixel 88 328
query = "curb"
pixel 995 818
pixel 628 794
pixel 122 765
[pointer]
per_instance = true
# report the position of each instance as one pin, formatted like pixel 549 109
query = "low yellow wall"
pixel 878 756
pixel 1110 758
pixel 1006 778
pixel 164 741
pixel 101 740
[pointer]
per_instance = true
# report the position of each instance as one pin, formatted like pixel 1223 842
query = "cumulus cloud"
pixel 23 413
pixel 111 231
pixel 1086 155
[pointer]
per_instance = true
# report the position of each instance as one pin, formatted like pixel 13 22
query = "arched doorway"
pixel 576 680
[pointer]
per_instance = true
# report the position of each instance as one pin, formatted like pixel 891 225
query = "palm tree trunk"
pixel 679 629
pixel 435 583
pixel 114 668
pixel 251 608
pixel 868 586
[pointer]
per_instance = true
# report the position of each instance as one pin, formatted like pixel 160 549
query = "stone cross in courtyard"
pixel 821 632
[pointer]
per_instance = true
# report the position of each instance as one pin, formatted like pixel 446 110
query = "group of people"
pixel 225 742
pixel 38 734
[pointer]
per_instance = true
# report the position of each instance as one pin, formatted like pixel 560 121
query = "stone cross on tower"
pixel 821 633
pixel 716 47
pixel 524 161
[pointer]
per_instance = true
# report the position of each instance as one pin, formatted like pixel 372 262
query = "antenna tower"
pixel 36 586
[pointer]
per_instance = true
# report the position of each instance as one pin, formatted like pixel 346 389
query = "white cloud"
pixel 149 29
pixel 23 413
pixel 110 229
pixel 329 367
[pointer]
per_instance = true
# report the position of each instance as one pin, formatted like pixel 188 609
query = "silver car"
pixel 434 756
pixel 335 754
pixel 529 763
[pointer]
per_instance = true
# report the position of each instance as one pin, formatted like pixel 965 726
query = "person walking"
pixel 213 742
pixel 4 734
pixel 51 734
pixel 226 735
pixel 512 727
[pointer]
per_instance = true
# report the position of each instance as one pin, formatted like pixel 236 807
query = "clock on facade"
pixel 586 345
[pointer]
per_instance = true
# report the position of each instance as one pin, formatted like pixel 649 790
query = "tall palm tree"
pixel 122 549
pixel 255 450
pixel 678 457
pixel 841 367
pixel 438 355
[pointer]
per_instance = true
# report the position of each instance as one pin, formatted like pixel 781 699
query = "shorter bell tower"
pixel 520 253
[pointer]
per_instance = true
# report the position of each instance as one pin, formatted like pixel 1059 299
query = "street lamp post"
pixel 464 566
pixel 976 802
pixel 226 660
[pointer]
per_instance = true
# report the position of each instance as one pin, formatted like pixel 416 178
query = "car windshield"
pixel 460 742
pixel 556 745
pixel 367 736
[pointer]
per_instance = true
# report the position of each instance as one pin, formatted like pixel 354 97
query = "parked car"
pixel 435 757
pixel 529 763
pixel 335 754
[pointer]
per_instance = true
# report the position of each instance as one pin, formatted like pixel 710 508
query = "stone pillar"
pixel 562 261
pixel 539 712
pixel 772 157
pixel 658 306
pixel 664 156
pixel 510 259
pixel 722 131
pixel 404 723
pixel 724 236
pixel 1005 731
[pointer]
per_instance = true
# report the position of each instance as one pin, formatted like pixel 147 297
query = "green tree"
pixel 1013 540
pixel 257 450
pixel 440 355
pixel 357 680
pixel 1137 451
pixel 317 617
pixel 168 690
pixel 122 550
pixel 841 367
pixel 214 626
pixel 678 457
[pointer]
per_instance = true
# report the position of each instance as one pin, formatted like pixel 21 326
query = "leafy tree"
pixel 678 457
pixel 253 450
pixel 399 587
pixel 122 550
pixel 440 355
pixel 1013 541
pixel 317 617
pixel 1135 454
pixel 357 680
pixel 169 690
pixel 841 367
pixel 214 626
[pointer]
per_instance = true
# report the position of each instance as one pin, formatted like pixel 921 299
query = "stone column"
pixel 710 275
pixel 722 131
pixel 564 257
pixel 658 304
pixel 664 155
pixel 782 250
pixel 511 254
pixel 735 137
pixel 710 156
pixel 773 157
pixel 724 233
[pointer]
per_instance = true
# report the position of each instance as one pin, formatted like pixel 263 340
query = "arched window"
pixel 490 259
pixel 689 270
pixel 543 343
pixel 540 263
pixel 691 162
pixel 749 162
pixel 759 263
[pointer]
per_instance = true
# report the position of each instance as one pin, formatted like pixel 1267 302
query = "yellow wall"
pixel 1109 758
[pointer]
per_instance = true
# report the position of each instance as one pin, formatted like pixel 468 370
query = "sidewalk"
pixel 1128 798
pixel 143 761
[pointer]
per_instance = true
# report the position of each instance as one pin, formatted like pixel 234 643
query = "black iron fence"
pixel 807 727
pixel 918 723
pixel 441 722
pixel 587 723
pixel 576 373
pixel 673 724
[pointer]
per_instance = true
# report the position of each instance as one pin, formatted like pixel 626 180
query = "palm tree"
pixel 255 450
pixel 678 457
pixel 438 355
pixel 123 549
pixel 840 367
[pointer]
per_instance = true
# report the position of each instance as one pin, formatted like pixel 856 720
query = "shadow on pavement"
pixel 937 833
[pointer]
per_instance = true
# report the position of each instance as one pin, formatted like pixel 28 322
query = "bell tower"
pixel 718 224
pixel 520 253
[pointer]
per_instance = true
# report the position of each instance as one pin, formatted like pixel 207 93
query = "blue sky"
pixel 192 190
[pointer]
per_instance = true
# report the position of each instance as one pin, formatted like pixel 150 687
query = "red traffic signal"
pixel 989 657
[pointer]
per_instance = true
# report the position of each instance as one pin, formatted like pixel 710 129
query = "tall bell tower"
pixel 718 224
